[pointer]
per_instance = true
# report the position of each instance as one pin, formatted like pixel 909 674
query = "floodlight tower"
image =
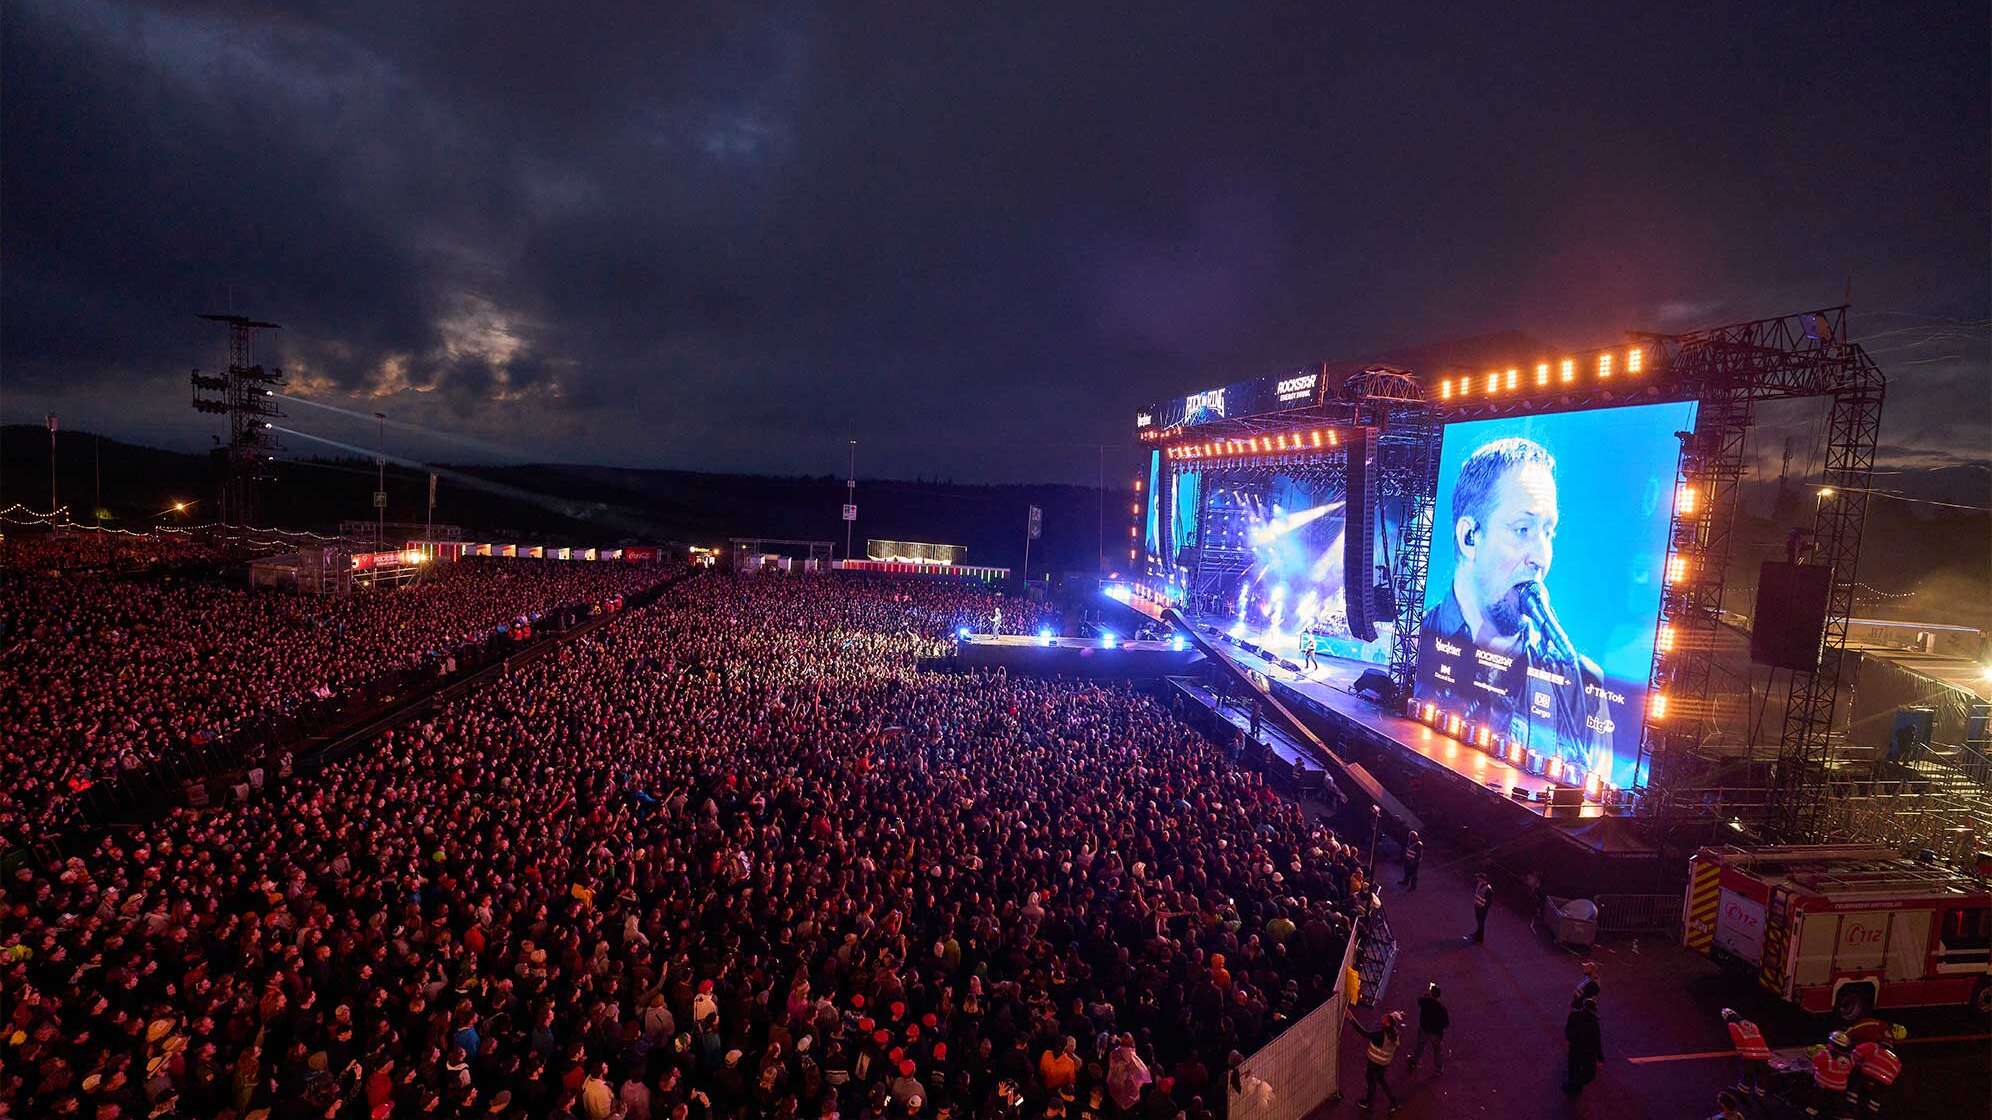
pixel 246 393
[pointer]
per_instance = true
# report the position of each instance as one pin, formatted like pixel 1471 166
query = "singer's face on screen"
pixel 1512 549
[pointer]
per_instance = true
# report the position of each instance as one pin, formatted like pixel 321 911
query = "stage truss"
pixel 1390 404
pixel 1731 369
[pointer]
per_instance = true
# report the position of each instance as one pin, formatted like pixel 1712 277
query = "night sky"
pixel 975 239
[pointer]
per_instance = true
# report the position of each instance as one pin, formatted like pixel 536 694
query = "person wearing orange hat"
pixel 906 1088
pixel 704 1004
pixel 937 1070
pixel 1219 975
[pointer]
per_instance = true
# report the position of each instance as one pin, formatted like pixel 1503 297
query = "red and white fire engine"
pixel 1846 929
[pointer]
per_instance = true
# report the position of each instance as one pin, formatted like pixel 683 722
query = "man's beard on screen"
pixel 1507 612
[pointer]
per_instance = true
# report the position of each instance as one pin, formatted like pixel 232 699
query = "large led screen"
pixel 1152 514
pixel 1549 543
pixel 1296 584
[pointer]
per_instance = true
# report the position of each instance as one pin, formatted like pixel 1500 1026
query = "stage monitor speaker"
pixel 1790 621
pixel 1375 684
pixel 1913 727
pixel 1359 540
pixel 1566 801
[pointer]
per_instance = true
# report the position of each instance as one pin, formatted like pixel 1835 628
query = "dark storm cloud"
pixel 973 240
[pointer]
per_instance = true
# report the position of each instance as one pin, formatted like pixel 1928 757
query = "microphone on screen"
pixel 1535 605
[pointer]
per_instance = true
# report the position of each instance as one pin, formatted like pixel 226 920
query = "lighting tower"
pixel 246 394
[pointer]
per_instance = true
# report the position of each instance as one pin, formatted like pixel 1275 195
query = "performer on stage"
pixel 1494 638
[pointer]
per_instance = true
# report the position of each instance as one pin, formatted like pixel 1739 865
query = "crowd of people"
pixel 38 546
pixel 949 608
pixel 102 674
pixel 736 854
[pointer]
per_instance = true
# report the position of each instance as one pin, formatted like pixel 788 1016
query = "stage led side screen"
pixel 1285 532
pixel 1152 514
pixel 1296 582
pixel 1549 547
pixel 1183 515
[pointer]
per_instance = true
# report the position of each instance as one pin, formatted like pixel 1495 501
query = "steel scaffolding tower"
pixel 245 393
pixel 1730 369
pixel 1408 455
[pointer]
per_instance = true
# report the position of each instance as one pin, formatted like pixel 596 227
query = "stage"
pixel 1326 697
pixel 1051 655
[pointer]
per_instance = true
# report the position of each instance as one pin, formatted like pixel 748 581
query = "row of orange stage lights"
pixel 1285 443
pixel 1680 567
pixel 1511 751
pixel 1600 367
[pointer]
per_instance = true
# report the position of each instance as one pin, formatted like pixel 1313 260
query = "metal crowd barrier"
pixel 1376 955
pixel 1638 913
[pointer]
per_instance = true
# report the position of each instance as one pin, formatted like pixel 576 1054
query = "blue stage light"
pixel 963 632
pixel 1178 644
pixel 1044 637
pixel 1107 638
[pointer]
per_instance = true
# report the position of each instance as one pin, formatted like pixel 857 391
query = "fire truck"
pixel 1842 928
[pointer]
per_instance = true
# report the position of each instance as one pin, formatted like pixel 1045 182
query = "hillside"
pixel 582 505
pixel 1923 561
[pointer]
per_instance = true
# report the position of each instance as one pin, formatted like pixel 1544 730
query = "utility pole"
pixel 429 532
pixel 380 486
pixel 52 506
pixel 851 500
pixel 97 468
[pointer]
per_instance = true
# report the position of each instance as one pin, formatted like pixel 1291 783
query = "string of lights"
pixel 60 517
